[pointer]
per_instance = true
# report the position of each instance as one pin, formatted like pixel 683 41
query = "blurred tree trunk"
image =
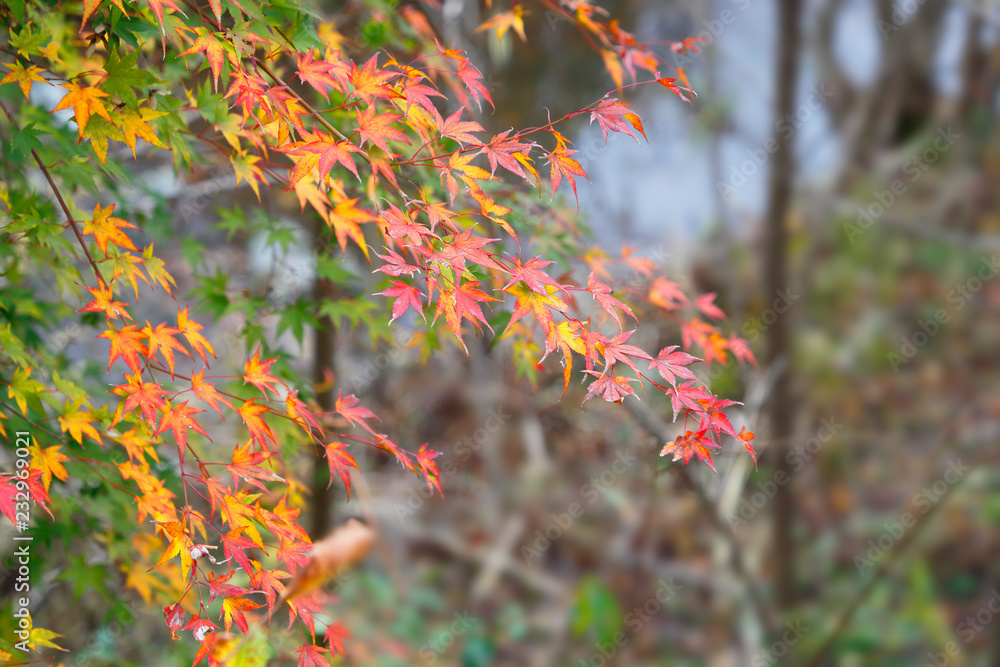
pixel 779 409
pixel 323 360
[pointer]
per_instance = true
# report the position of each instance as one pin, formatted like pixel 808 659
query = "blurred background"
pixel 835 182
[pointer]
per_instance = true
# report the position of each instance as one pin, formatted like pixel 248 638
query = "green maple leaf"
pixel 124 75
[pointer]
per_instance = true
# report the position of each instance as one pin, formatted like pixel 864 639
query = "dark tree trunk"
pixel 776 279
pixel 323 361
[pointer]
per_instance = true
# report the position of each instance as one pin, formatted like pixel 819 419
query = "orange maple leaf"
pixel 376 127
pixel 190 329
pixel 179 419
pixel 84 101
pixel 127 344
pixel 564 166
pixel 104 302
pixel 246 464
pixel 258 373
pixel 207 392
pixel 146 396
pixel 259 430
pixel 109 230
pixel 161 339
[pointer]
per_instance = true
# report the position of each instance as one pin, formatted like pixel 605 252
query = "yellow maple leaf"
pixel 99 131
pixel 84 101
pixel 78 423
pixel 245 167
pixel 23 76
pixel 49 461
pixel 134 123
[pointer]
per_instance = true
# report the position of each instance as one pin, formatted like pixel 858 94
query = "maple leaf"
pixel 383 441
pixel 671 364
pixel 602 294
pixel 321 74
pixel 746 438
pixel 376 127
pixel 161 339
pixel 84 101
pixel 49 462
pixel 714 418
pixel 137 446
pixel 466 246
pixel 566 337
pixel 155 268
pixel 173 616
pixel 696 332
pixel 406 295
pixel 267 581
pixel 78 422
pixel 135 123
pixel 612 388
pixel 715 348
pixel 258 374
pixel 245 168
pixel 180 545
pixel 370 82
pixel 504 21
pixel 615 350
pixel 190 329
pixel 146 396
pixel 321 153
pixel 686 395
pixel 220 587
pixel 533 302
pixel 336 633
pixel 741 350
pixel 671 85
pixel 179 419
pixel 562 165
pixel 126 343
pixel 234 546
pixel 348 408
pixel 300 412
pixel 417 94
pixel 340 462
pixel 108 230
pixel 705 304
pixel 612 115
pixel 666 294
pixel 396 265
pixel 455 128
pixel 399 224
pixel 690 444
pixel 502 151
pixel 207 392
pixel 23 76
pixel 104 303
pixel 346 219
pixel 462 303
pixel 246 464
pixel 259 430
pixel 473 80
pixel 425 459
pixel 232 610
pixel 311 655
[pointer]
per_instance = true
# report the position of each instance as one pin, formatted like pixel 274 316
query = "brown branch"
pixel 62 202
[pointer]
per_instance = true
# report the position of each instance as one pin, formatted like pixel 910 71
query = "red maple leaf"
pixel 340 462
pixel 400 224
pixel 612 388
pixel 686 395
pixel 611 114
pixel 602 293
pixel 425 459
pixel 321 74
pixel 455 128
pixel 473 80
pixel 616 349
pixel 741 350
pixel 705 304
pixel 714 418
pixel 311 655
pixel 562 165
pixel 162 339
pixel 322 152
pixel 671 364
pixel 462 303
pixel 246 464
pixel 406 295
pixel 746 438
pixel 336 633
pixel 268 582
pixel 104 302
pixel 690 444
pixel 501 151
pixel 396 265
pixel 531 273
pixel 348 408
pixel 207 392
pixel 370 82
pixel 259 430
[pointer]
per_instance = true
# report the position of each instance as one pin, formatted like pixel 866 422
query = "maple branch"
pixel 62 202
